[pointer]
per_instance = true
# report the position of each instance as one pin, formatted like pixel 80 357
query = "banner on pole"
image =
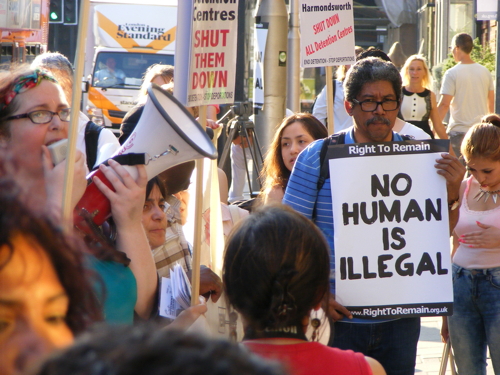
pixel 327 33
pixel 260 38
pixel 392 248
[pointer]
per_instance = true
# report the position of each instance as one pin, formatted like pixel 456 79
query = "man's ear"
pixel 348 107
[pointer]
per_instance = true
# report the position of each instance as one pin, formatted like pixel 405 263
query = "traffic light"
pixel 56 11
pixel 70 12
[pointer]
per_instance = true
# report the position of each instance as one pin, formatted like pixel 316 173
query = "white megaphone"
pixel 160 141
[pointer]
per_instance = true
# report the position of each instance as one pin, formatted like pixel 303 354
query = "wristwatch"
pixel 453 205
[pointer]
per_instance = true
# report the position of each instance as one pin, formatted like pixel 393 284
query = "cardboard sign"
pixel 392 248
pixel 326 33
pixel 213 53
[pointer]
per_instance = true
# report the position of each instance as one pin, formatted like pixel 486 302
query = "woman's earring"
pixel 315 323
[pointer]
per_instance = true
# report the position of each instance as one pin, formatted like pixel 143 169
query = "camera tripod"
pixel 242 126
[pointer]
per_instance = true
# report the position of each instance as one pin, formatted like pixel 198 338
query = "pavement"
pixel 430 349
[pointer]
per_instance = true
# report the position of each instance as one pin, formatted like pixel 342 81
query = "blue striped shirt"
pixel 302 192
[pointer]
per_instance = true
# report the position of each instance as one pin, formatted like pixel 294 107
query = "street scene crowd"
pixel 87 302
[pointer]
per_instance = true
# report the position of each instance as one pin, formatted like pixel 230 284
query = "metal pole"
pixel 240 94
pixel 275 60
pixel 293 68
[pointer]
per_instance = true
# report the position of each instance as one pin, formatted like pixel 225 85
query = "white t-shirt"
pixel 340 117
pixel 469 84
pixel 405 128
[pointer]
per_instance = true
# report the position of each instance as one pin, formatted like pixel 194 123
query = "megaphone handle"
pixel 93 204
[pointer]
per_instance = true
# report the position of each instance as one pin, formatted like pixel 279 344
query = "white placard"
pixel 487 10
pixel 169 308
pixel 392 249
pixel 260 38
pixel 214 30
pixel 326 33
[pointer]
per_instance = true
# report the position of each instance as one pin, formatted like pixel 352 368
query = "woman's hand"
pixel 127 200
pixel 186 318
pixel 488 238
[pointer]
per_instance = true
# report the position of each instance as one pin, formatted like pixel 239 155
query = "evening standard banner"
pixel 392 248
pixel 213 52
pixel 326 33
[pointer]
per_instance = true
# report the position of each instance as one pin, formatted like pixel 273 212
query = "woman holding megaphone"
pixel 34 114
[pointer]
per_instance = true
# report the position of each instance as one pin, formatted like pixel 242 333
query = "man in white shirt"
pixel 467 91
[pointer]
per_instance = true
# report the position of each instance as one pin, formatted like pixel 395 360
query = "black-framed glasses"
pixel 43 116
pixel 370 105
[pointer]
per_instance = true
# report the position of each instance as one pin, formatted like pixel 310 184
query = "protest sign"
pixel 326 33
pixel 392 248
pixel 260 38
pixel 209 53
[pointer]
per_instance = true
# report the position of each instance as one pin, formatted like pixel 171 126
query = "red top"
pixel 310 358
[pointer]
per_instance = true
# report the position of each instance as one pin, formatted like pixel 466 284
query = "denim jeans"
pixel 476 319
pixel 392 343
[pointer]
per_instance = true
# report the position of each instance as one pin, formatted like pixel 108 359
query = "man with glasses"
pixel 373 91
pixel 467 91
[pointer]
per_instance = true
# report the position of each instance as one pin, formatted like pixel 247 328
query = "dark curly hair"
pixel 65 254
pixel 146 349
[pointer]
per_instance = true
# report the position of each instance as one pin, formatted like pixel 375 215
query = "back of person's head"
pixel 464 42
pixel 405 74
pixel 178 177
pixel 276 268
pixel 274 170
pixel 373 52
pixel 342 69
pixel 397 55
pixel 145 349
pixel 166 72
pixel 60 67
pixel 53 61
pixel 369 70
pixel 483 139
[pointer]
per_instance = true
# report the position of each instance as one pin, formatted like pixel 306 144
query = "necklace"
pixel 486 194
